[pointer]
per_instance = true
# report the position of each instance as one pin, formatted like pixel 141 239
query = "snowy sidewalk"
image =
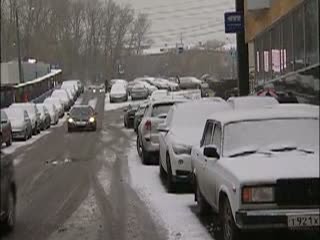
pixel 171 210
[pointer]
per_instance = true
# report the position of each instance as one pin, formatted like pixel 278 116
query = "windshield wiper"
pixel 284 149
pixel 289 149
pixel 244 153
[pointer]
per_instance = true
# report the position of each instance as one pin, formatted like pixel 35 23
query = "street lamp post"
pixel 21 78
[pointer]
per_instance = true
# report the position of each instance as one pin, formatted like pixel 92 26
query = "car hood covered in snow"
pixel 267 168
pixel 187 135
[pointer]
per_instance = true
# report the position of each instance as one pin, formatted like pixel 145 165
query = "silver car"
pixel 148 135
pixel 54 113
pixel 57 103
pixel 139 91
pixel 20 122
pixel 33 113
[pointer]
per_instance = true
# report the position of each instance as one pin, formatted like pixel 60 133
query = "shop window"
pixel 259 61
pixel 312 32
pixel 287 46
pixel 298 39
pixel 266 56
pixel 275 51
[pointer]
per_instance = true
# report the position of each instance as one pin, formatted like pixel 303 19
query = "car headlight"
pixel 94 90
pixel 181 149
pixel 70 120
pixel 258 194
pixel 92 119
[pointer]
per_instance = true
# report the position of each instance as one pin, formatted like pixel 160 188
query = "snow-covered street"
pixel 175 211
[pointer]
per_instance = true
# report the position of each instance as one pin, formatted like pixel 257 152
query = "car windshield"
pixel 14 113
pixel 81 112
pixel 30 108
pixel 269 135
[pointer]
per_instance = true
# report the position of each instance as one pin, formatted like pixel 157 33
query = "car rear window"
pixel 161 109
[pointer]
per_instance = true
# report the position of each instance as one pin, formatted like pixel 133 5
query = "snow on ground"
pixel 84 223
pixel 79 101
pixel 18 144
pixel 93 103
pixel 172 210
pixel 114 106
pixel 108 159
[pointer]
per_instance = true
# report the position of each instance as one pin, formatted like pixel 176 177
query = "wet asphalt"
pixel 59 173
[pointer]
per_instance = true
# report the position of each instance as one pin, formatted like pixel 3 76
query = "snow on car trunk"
pixel 171 210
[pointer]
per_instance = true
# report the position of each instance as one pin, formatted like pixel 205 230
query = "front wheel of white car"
pixel 161 170
pixel 202 204
pixel 229 228
pixel 171 187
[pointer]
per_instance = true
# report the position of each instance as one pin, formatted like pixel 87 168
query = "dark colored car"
pixel 45 118
pixel 129 115
pixel 8 193
pixel 5 129
pixel 82 117
pixel 139 115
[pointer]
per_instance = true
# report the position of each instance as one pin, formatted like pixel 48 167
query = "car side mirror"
pixel 211 152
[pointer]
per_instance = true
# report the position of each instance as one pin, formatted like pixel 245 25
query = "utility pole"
pixel 21 78
pixel 242 56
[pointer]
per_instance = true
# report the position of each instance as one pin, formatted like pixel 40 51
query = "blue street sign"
pixel 234 22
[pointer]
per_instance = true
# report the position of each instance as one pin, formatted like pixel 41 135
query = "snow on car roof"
pixel 252 101
pixel 197 110
pixel 260 114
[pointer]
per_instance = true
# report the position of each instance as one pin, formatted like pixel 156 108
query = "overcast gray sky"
pixel 194 20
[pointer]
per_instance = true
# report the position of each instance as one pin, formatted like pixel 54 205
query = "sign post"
pixel 234 23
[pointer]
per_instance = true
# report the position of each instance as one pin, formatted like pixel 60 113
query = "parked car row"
pixel 252 161
pixel 22 120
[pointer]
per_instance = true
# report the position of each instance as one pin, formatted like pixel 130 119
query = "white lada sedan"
pixel 259 169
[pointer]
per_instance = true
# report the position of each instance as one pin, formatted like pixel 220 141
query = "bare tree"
pixel 139 30
pixel 85 37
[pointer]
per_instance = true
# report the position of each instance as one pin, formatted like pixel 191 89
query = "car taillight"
pixel 147 125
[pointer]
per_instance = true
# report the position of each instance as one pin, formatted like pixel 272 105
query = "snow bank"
pixel 79 101
pixel 93 103
pixel 171 210
pixel 16 145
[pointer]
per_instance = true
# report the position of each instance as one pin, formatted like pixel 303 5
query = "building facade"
pixel 285 39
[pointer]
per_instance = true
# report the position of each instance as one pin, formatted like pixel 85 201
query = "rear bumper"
pixel 118 99
pixel 139 96
pixel 18 134
pixel 270 219
pixel 150 146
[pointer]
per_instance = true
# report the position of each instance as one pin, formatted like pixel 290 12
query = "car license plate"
pixel 303 221
pixel 81 123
